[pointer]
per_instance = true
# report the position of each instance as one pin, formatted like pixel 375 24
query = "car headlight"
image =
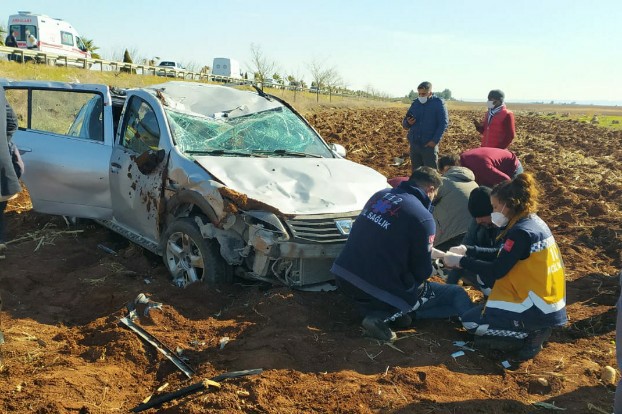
pixel 269 220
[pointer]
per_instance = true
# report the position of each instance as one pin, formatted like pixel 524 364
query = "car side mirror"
pixel 338 149
pixel 149 160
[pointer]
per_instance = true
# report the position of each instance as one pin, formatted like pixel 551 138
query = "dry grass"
pixel 302 101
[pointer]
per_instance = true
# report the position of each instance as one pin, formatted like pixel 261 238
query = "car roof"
pixel 209 100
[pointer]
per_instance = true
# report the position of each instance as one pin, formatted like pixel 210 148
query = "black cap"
pixel 497 95
pixel 479 202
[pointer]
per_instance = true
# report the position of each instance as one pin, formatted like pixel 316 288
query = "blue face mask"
pixel 423 99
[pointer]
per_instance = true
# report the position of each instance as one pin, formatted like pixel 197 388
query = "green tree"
pixel 3 33
pixel 446 95
pixel 127 59
pixel 90 46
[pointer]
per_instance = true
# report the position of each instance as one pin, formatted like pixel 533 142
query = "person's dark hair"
pixel 425 85
pixel 496 94
pixel 426 176
pixel 449 160
pixel 479 202
pixel 520 194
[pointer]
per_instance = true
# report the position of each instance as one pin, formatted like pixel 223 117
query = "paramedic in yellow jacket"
pixel 526 273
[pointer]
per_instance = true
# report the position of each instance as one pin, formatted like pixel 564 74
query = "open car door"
pixel 65 137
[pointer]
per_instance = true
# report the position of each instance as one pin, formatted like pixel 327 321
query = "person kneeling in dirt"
pixel 528 295
pixel 481 232
pixel 450 206
pixel 387 260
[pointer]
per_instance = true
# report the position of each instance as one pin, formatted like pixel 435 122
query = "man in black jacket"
pixel 11 41
pixel 387 260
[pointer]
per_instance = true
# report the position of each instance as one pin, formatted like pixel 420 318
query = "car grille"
pixel 318 228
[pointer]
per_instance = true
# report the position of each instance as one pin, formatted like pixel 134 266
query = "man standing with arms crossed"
pixel 426 121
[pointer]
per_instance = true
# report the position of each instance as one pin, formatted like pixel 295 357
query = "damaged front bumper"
pixel 295 252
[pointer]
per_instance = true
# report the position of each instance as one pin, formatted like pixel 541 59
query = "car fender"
pixel 185 199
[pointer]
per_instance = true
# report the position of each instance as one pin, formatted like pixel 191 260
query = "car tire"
pixel 191 258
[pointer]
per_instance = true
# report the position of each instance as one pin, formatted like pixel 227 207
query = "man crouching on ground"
pixel 387 260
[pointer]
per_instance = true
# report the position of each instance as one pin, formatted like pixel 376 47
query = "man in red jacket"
pixel 498 129
pixel 491 165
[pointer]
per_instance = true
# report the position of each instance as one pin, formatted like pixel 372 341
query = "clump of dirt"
pixel 66 351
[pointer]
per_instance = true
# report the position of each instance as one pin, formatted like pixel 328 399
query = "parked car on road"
pixel 171 69
pixel 271 83
pixel 219 181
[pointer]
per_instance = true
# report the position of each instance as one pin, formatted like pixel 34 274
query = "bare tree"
pixel 320 75
pixel 260 64
pixel 333 82
pixel 295 82
pixel 191 66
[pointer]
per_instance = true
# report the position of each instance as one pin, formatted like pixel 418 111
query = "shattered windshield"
pixel 277 131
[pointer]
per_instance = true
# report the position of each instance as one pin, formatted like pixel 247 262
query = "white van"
pixel 229 68
pixel 54 36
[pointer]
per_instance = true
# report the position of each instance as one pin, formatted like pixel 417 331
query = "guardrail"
pixel 27 55
pixel 31 55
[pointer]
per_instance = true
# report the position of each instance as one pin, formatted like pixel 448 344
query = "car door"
pixel 138 166
pixel 65 138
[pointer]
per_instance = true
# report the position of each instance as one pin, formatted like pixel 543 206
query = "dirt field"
pixel 65 351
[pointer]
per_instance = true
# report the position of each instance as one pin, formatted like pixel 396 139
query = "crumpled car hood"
pixel 298 185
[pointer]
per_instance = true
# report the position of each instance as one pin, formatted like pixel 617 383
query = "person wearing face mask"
pixel 528 296
pixel 387 260
pixel 426 120
pixel 481 232
pixel 498 127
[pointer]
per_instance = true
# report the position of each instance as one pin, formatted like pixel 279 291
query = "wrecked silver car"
pixel 218 181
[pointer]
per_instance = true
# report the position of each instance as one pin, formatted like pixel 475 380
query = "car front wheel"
pixel 191 258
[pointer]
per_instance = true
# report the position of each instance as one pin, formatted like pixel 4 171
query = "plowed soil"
pixel 65 351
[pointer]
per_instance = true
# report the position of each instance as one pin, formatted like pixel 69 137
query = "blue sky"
pixel 533 50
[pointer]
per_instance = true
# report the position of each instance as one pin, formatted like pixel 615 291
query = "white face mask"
pixel 423 99
pixel 498 219
pixel 490 104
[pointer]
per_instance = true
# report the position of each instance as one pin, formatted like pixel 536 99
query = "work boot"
pixel 533 344
pixel 499 343
pixel 376 328
pixel 401 322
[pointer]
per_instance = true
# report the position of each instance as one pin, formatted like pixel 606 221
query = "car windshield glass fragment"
pixel 278 132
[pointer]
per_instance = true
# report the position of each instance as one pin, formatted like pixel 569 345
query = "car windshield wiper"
pixel 220 152
pixel 286 152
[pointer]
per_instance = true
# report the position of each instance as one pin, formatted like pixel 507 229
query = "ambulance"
pixel 54 36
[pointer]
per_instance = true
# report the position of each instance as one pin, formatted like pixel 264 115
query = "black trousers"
pixel 367 305
pixel 2 208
